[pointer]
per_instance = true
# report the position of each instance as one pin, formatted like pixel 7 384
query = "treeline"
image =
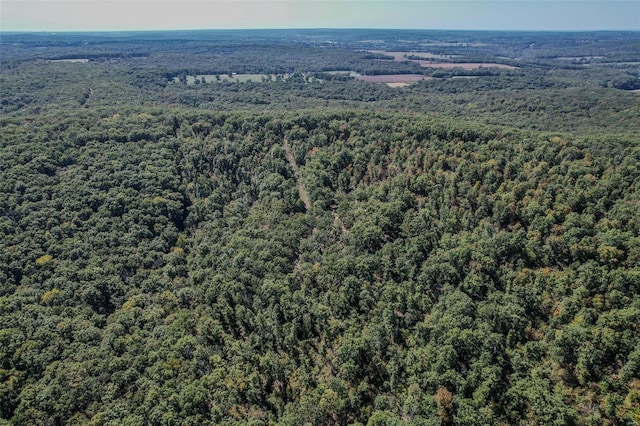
pixel 585 100
pixel 159 267
pixel 592 47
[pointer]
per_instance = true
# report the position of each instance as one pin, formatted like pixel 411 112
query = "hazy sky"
pixel 80 15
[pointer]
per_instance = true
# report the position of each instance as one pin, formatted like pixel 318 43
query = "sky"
pixel 112 15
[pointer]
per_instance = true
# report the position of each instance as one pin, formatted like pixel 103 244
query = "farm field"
pixel 402 56
pixel 393 80
pixel 432 63
pixel 464 65
pixel 77 60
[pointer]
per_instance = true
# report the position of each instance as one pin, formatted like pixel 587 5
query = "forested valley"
pixel 231 227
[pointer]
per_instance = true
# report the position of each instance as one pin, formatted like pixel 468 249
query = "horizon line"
pixel 156 30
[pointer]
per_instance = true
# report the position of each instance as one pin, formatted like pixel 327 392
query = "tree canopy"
pixel 303 250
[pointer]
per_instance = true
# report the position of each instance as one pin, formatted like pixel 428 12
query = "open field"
pixel 635 63
pixel 79 61
pixel 403 56
pixel 463 65
pixel 393 80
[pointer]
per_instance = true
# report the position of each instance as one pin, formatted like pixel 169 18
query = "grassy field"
pixel 404 56
pixel 393 80
pixel 79 61
pixel 463 65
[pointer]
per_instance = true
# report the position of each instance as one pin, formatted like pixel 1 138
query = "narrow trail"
pixel 301 190
pixel 305 199
pixel 338 222
pixel 294 166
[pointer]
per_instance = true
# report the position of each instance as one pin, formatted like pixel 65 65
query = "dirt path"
pixel 294 166
pixel 338 222
pixel 305 198
pixel 302 190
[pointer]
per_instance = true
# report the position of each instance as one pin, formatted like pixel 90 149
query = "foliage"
pixel 159 265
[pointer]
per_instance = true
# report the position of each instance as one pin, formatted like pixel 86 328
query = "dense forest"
pixel 229 227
